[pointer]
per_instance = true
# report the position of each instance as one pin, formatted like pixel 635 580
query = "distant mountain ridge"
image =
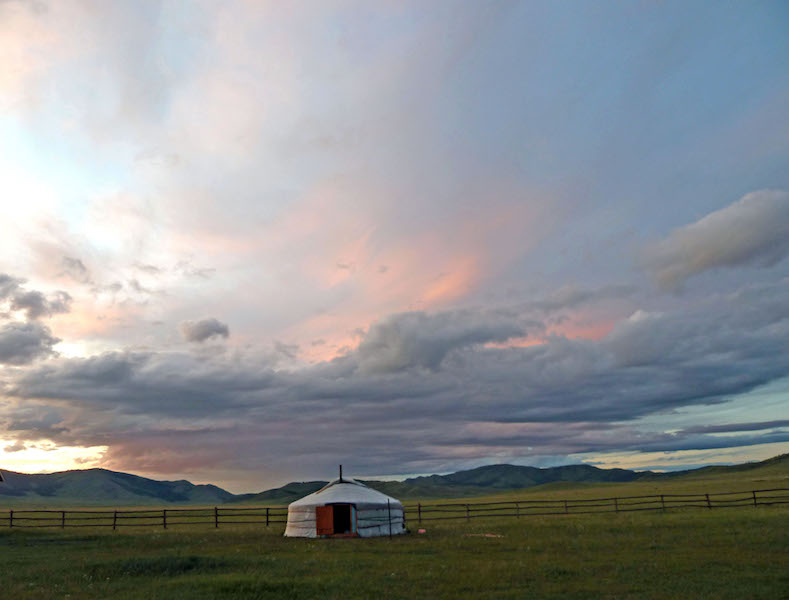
pixel 101 487
pixel 474 482
pixel 498 478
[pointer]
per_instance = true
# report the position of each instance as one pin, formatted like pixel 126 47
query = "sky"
pixel 244 242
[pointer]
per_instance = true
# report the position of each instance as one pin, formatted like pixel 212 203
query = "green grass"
pixel 693 553
pixel 729 553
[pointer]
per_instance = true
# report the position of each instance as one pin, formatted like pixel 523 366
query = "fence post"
pixel 266 516
pixel 517 510
pixel 114 520
pixel 616 505
pixel 164 518
pixel 709 504
pixel 389 512
pixel 419 512
pixel 11 517
pixel 216 517
pixel 468 514
pixel 662 502
pixel 62 519
pixel 754 498
pixel 565 507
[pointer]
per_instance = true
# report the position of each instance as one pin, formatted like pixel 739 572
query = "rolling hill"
pixel 101 487
pixel 474 482
pixel 498 478
pixel 104 487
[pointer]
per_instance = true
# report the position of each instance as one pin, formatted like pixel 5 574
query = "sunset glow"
pixel 244 242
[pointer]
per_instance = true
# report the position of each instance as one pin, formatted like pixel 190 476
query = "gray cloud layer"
pixel 22 343
pixel 421 392
pixel 417 340
pixel 752 231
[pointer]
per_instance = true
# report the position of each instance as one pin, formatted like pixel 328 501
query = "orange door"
pixel 324 520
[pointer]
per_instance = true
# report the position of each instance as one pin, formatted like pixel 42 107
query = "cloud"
pixel 76 269
pixel 423 392
pixel 22 343
pixel 149 269
pixel 417 339
pixel 290 351
pixel 8 285
pixel 186 268
pixel 32 420
pixel 349 230
pixel 199 331
pixel 135 285
pixel 571 296
pixel 736 427
pixel 36 305
pixel 16 447
pixel 752 231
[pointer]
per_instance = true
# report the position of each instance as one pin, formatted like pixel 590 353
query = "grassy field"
pixel 693 553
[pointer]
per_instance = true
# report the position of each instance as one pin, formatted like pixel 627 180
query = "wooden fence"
pixel 541 507
pixel 159 517
pixel 216 516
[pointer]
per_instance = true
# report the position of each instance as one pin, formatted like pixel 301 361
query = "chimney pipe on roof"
pixel 340 474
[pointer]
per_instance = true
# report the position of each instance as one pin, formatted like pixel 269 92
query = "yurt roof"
pixel 345 490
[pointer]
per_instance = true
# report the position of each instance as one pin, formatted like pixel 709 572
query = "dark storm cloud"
pixel 172 384
pixel 36 305
pixel 752 231
pixel 32 302
pixel 35 421
pixel 425 391
pixel 416 339
pixel 199 331
pixel 22 343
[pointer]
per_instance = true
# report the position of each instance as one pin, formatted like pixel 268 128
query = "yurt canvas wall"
pixel 345 508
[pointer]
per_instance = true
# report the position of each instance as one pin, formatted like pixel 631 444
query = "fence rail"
pixel 542 507
pixel 273 515
pixel 163 517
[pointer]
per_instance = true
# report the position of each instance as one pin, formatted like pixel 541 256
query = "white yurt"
pixel 345 508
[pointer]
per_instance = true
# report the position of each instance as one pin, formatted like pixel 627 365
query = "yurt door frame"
pixel 326 524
